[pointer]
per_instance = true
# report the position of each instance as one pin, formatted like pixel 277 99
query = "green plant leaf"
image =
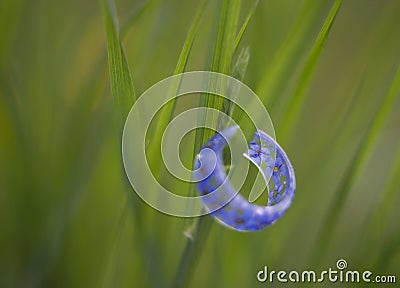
pixel 168 109
pixel 379 218
pixel 224 48
pixel 275 77
pixel 244 26
pixel 222 58
pixel 120 75
pixel 357 162
pixel 136 11
pixel 308 70
pixel 187 45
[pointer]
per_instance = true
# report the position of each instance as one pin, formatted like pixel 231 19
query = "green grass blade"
pixel 187 45
pixel 238 71
pixel 357 162
pixel 133 15
pixel 389 253
pixel 222 58
pixel 225 42
pixel 391 245
pixel 120 75
pixel 276 76
pixel 168 109
pixel 224 49
pixel 390 191
pixel 244 26
pixel 193 248
pixel 336 137
pixel 308 70
pixel 379 217
pixel 10 12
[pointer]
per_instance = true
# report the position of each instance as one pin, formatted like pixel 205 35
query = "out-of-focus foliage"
pixel 68 218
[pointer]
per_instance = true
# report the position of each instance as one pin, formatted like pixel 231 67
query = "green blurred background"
pixel 68 217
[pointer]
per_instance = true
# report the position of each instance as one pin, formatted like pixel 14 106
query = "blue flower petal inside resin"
pixel 238 213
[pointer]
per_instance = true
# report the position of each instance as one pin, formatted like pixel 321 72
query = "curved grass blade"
pixel 120 75
pixel 359 159
pixel 10 13
pixel 225 47
pixel 192 251
pixel 377 220
pixel 309 68
pixel 322 157
pixel 244 26
pixel 76 187
pixel 340 129
pixel 221 62
pixel 133 15
pixel 275 77
pixel 238 71
pixel 168 109
pixel 187 45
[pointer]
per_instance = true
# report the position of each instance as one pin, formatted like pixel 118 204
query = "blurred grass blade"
pixel 391 189
pixel 221 62
pixel 391 246
pixel 187 46
pixel 244 26
pixel 132 16
pixel 308 70
pixel 120 75
pixel 378 219
pixel 359 159
pixel 276 76
pixel 225 43
pixel 238 71
pixel 224 50
pixel 169 108
pixel 10 13
pixel 192 251
pixel 336 136
pixel 122 91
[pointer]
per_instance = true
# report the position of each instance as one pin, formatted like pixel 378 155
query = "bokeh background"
pixel 68 218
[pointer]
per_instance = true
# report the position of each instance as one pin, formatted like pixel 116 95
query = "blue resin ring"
pixel 238 213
